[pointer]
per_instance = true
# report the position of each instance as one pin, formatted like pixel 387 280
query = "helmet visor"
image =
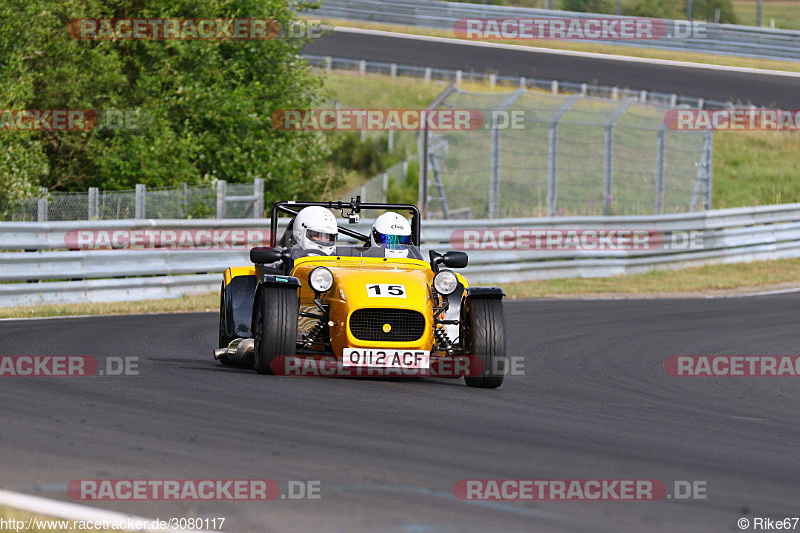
pixel 321 238
pixel 390 241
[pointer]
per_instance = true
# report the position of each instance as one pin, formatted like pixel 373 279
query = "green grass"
pixel 785 12
pixel 756 168
pixel 203 302
pixel 755 275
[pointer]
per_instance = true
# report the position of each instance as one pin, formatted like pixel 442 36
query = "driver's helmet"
pixel 315 229
pixel 392 232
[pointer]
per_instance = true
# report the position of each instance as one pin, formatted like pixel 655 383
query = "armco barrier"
pixel 32 253
pixel 729 39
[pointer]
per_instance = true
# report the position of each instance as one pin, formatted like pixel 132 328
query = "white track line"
pixel 594 55
pixel 72 511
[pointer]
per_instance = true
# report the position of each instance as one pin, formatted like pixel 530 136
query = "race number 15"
pixel 384 290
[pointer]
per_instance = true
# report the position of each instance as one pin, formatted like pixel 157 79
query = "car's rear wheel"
pixel 484 336
pixel 275 325
pixel 224 340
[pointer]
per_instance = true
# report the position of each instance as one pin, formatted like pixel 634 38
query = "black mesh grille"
pixel 367 325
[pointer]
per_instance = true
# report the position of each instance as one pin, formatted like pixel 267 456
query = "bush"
pixel 590 6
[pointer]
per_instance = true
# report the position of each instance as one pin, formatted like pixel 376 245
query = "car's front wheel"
pixel 484 334
pixel 274 325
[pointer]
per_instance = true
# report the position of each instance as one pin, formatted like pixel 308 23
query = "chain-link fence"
pixel 539 154
pixel 376 189
pixel 221 200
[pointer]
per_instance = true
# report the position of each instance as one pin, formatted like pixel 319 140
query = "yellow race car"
pixel 362 310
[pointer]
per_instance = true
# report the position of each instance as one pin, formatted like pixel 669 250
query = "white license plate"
pixel 379 357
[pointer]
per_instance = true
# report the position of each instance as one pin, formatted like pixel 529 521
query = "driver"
pixel 392 232
pixel 315 231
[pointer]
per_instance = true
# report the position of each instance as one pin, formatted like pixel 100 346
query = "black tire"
pixel 274 325
pixel 223 339
pixel 484 335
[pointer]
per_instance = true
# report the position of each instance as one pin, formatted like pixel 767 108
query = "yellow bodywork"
pixel 349 292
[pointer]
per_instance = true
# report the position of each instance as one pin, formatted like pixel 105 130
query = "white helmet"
pixel 315 229
pixel 393 233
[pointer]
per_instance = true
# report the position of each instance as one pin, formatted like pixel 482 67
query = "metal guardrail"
pixel 727 39
pixel 722 236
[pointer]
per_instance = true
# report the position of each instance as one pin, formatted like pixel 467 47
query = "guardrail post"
pixel 141 199
pixel 492 80
pixel 42 205
pixel 554 87
pixel 673 100
pixel 552 152
pixel 390 142
pixel 393 70
pixel 584 89
pixel 362 67
pixel 405 170
pixel 185 200
pixel 700 103
pixel 427 74
pixel 222 191
pixel 459 77
pixel 659 200
pixel 608 153
pixel 328 63
pixel 523 83
pixel 94 203
pixel 643 97
pixel 258 201
pixel 385 187
pixel 708 144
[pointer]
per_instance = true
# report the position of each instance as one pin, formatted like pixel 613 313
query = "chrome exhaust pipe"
pixel 239 351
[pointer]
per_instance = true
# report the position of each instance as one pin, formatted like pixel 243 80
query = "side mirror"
pixel 455 259
pixel 262 256
pixel 449 259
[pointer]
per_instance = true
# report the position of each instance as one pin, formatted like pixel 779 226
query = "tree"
pixel 203 107
pixel 590 6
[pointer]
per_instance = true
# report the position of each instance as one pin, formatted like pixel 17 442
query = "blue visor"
pixel 392 242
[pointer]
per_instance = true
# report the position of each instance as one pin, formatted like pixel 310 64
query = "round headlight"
pixel 445 282
pixel 320 279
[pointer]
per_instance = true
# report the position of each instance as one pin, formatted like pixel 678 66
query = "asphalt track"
pixel 594 403
pixel 759 89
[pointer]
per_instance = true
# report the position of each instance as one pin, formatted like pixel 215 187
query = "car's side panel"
pixel 240 289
